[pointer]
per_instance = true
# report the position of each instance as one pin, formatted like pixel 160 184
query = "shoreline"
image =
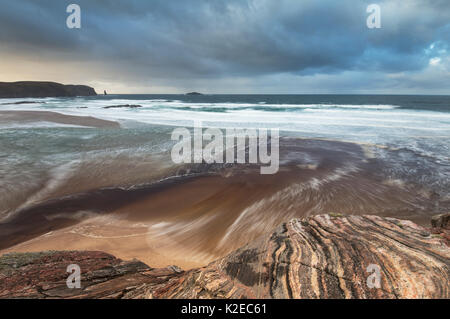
pixel 143 206
pixel 10 116
pixel 191 220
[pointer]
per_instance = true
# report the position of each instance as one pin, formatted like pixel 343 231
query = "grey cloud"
pixel 210 39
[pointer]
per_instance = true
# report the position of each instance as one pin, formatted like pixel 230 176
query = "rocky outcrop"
pixel 42 89
pixel 21 102
pixel 44 275
pixel 131 106
pixel 318 257
pixel 327 257
pixel 440 226
pixel 194 93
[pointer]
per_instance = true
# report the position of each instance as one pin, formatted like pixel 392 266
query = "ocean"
pixel 418 123
pixel 355 154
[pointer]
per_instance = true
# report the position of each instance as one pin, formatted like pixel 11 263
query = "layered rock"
pixel 327 257
pixel 44 275
pixel 42 89
pixel 318 257
pixel 440 226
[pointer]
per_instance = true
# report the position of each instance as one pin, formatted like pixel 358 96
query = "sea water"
pixel 37 157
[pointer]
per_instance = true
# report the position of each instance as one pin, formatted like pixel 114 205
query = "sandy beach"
pixel 200 212
pixel 47 116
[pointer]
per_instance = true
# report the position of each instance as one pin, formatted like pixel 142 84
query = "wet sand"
pixel 7 117
pixel 190 220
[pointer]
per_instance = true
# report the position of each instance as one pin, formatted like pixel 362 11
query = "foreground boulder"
pixel 44 275
pixel 42 89
pixel 441 226
pixel 328 257
pixel 317 257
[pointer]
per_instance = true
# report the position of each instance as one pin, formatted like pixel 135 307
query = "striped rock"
pixel 326 257
pixel 43 275
pixel 318 257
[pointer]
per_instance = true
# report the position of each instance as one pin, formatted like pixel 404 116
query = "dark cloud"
pixel 169 42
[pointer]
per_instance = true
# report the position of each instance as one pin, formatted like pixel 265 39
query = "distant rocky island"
pixel 25 89
pixel 194 93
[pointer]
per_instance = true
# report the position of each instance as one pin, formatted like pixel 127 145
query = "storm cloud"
pixel 234 46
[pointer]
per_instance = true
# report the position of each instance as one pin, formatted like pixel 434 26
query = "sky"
pixel 230 46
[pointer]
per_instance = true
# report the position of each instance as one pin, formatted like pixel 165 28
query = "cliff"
pixel 42 89
pixel 318 257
